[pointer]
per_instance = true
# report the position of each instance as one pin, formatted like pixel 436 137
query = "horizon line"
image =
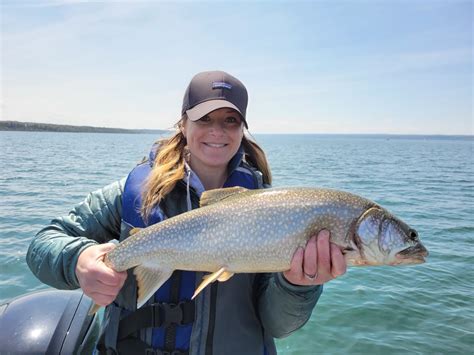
pixel 471 135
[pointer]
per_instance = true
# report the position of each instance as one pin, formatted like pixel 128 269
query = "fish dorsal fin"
pixel 212 196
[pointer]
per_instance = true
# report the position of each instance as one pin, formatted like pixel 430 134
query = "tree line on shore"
pixel 49 127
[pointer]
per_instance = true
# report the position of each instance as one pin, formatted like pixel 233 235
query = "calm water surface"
pixel 426 181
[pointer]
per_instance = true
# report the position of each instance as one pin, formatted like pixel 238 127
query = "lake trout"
pixel 237 230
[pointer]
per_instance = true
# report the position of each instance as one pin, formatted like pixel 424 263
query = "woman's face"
pixel 214 139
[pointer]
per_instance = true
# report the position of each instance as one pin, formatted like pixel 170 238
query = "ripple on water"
pixel 429 183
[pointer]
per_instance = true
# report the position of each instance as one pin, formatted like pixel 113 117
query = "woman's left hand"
pixel 319 262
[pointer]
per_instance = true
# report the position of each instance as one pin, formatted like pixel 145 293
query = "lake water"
pixel 426 181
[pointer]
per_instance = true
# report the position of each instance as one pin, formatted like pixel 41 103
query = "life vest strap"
pixel 134 346
pixel 156 315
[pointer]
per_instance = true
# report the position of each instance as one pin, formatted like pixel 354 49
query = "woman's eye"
pixel 204 119
pixel 232 120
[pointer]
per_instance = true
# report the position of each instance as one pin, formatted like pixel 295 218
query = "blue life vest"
pixel 241 175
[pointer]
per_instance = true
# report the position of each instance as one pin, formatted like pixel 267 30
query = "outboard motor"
pixel 48 322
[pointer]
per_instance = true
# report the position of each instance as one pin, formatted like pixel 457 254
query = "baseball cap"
pixel 211 90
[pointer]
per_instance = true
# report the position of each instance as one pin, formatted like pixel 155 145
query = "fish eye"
pixel 413 234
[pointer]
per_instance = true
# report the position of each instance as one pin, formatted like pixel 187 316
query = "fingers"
pixel 294 275
pixel 338 263
pixel 101 299
pixel 96 279
pixel 97 286
pixel 110 277
pixel 297 261
pixel 101 293
pixel 319 262
pixel 324 255
pixel 310 263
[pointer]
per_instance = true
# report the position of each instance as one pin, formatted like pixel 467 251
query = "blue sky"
pixel 349 66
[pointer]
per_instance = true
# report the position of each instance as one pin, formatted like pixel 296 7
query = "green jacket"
pixel 281 307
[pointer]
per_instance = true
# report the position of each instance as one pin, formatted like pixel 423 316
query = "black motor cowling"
pixel 48 322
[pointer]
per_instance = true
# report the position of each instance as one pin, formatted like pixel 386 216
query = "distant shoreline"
pixel 49 127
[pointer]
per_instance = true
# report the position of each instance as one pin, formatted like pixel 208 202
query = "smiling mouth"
pixel 215 145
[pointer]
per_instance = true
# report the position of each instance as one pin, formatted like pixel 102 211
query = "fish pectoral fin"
pixel 226 275
pixel 221 275
pixel 222 278
pixel 212 196
pixel 149 280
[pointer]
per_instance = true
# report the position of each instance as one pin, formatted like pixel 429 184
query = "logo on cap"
pixel 221 85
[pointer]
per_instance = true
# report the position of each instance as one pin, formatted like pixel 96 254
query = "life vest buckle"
pixel 165 314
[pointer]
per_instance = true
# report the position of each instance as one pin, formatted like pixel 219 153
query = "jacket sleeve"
pixel 53 253
pixel 282 306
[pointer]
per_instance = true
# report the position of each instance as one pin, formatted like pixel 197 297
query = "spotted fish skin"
pixel 250 231
pixel 238 230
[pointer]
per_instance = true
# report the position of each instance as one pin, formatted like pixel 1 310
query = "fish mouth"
pixel 415 254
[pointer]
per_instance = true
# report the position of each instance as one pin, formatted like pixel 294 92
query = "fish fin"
pixel 135 230
pixel 208 279
pixel 226 275
pixel 212 196
pixel 95 307
pixel 148 281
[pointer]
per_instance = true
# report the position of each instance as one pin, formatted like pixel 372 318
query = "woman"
pixel 239 316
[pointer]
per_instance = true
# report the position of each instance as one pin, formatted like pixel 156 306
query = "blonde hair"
pixel 169 167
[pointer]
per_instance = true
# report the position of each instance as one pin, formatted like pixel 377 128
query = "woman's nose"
pixel 217 128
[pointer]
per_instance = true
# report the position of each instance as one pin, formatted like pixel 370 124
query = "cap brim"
pixel 202 109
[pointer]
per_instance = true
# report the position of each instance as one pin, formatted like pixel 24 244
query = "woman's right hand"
pixel 97 280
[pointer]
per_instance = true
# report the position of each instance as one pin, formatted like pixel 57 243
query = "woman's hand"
pixel 319 262
pixel 96 279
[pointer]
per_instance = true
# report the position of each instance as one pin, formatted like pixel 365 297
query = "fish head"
pixel 382 239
